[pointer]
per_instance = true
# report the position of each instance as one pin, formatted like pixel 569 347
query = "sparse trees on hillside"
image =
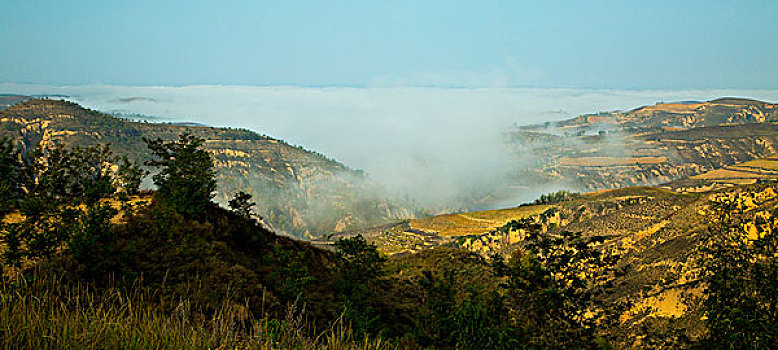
pixel 741 271
pixel 186 180
pixel 59 192
pixel 551 289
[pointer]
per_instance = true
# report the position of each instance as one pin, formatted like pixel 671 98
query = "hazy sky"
pixel 581 44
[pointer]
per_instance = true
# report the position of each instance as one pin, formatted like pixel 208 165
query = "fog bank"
pixel 435 145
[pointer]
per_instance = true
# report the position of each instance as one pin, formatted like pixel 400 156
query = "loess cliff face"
pixel 646 146
pixel 298 192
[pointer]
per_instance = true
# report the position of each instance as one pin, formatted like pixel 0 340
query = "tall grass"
pixel 48 314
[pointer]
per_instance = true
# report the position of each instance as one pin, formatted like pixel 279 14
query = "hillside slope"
pixel 658 234
pixel 646 146
pixel 298 192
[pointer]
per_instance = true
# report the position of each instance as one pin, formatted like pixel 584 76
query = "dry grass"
pixel 474 223
pixel 610 161
pixel 730 174
pixel 763 163
pixel 43 314
pixel 671 108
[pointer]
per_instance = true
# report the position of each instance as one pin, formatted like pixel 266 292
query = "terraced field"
pixel 649 145
pixel 760 170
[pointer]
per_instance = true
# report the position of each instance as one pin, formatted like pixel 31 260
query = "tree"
pixel 552 287
pixel 186 181
pixel 130 176
pixel 10 177
pixel 241 204
pixel 741 271
pixel 13 253
pixel 92 241
pixel 58 175
pixel 360 266
pixel 60 183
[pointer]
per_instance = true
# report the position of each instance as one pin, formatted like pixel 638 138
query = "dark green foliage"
pixel 186 180
pixel 437 326
pixel 241 204
pixel 293 275
pixel 10 177
pixel 130 175
pixel 12 235
pixel 57 182
pixel 483 323
pixel 556 197
pixel 360 265
pixel 92 242
pixel 478 320
pixel 78 175
pixel 551 286
pixel 742 282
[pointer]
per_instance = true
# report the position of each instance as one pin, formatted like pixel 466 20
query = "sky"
pixel 559 44
pixel 417 93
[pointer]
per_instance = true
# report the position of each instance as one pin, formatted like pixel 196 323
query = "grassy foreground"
pixel 48 313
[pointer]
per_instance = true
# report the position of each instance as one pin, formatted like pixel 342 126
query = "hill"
pixel 649 145
pixel 10 100
pixel 299 192
pixel 659 235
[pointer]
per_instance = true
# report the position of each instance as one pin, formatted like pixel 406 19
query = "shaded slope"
pixel 298 192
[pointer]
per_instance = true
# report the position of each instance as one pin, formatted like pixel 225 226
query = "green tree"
pixel 241 204
pixel 10 177
pixel 58 175
pixel 360 267
pixel 741 271
pixel 186 180
pixel 92 240
pixel 130 176
pixel 552 287
pixel 58 181
pixel 13 253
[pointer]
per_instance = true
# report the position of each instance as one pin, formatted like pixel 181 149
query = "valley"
pixel 721 151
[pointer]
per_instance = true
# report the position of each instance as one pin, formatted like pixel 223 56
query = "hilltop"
pixel 299 192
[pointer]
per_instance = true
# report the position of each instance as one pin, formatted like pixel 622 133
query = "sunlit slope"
pixel 646 146
pixel 657 233
pixel 762 170
pixel 297 191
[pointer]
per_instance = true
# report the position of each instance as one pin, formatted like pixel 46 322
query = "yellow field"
pixel 671 107
pixel 474 223
pixel 730 174
pixel 610 161
pixel 769 163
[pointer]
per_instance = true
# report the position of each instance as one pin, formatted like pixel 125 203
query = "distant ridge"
pixel 737 101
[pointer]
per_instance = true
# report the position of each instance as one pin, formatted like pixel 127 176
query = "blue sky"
pixel 583 44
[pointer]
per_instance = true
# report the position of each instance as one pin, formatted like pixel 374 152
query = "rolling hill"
pixel 649 145
pixel 299 192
